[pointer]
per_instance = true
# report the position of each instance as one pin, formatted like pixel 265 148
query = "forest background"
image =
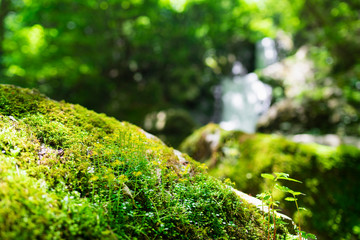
pixel 129 58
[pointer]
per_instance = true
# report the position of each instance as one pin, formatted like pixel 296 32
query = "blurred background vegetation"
pixel 132 58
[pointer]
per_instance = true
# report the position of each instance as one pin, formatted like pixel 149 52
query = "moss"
pixel 17 102
pixel 70 173
pixel 331 176
pixel 28 211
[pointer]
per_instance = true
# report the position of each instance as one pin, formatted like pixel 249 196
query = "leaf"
pixel 267 197
pixel 297 193
pixel 310 235
pixel 290 199
pixel 281 222
pixel 261 195
pixel 268 176
pixel 285 175
pixel 289 179
pixel 302 208
pixel 282 188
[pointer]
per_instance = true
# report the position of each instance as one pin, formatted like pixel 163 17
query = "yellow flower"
pixel 117 163
pixel 183 179
pixel 94 178
pixel 106 170
pixel 122 177
pixel 171 175
pixel 136 174
pixel 227 181
pixel 203 166
pixel 110 177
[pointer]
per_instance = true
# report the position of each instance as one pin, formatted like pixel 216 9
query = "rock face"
pixel 308 98
pixel 330 176
pixel 70 173
pixel 291 116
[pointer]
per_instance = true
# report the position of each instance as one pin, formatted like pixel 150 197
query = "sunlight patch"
pixel 177 5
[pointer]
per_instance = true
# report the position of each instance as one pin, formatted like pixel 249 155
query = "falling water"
pixel 244 97
pixel 266 53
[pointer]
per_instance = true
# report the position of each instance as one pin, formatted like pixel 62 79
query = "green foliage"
pixel 70 173
pixel 170 54
pixel 330 175
pixel 154 54
pixel 148 53
pixel 272 204
pixel 333 25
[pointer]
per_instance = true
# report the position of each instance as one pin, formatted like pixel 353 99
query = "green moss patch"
pixel 330 176
pixel 69 173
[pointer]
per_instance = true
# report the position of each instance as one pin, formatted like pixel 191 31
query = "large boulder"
pixel 70 173
pixel 330 176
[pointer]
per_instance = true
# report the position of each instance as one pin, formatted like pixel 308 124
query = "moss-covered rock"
pixel 70 173
pixel 330 176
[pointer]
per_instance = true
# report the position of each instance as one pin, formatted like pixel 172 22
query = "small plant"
pixel 268 198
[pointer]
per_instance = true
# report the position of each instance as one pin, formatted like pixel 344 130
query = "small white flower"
pixel 90 170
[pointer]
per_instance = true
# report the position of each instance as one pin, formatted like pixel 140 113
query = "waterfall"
pixel 266 53
pixel 244 97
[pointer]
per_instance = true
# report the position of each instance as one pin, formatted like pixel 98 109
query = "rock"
pixel 327 139
pixel 308 98
pixel 69 173
pixel 171 125
pixel 330 175
pixel 294 72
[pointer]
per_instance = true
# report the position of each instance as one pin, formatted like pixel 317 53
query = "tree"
pixel 128 58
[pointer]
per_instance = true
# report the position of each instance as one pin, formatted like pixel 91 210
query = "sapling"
pixel 292 199
pixel 270 198
pixel 295 200
pixel 284 176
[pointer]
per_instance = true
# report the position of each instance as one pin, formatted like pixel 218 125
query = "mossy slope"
pixel 70 173
pixel 331 176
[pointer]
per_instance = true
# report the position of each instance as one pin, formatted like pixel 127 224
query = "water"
pixel 244 97
pixel 266 53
